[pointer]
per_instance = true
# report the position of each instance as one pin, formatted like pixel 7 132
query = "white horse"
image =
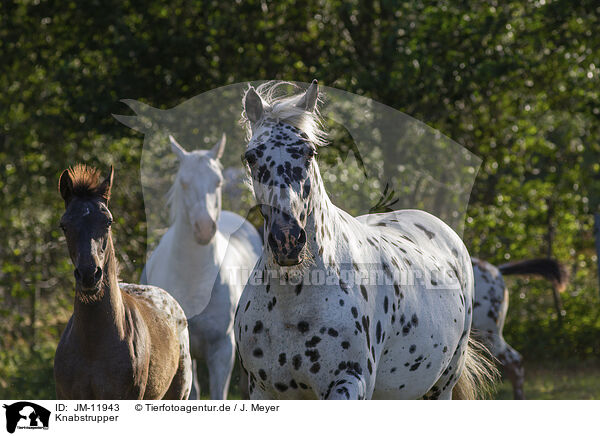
pixel 203 260
pixel 491 305
pixel 341 307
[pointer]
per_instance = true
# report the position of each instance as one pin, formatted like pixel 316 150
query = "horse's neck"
pixel 324 221
pixel 103 319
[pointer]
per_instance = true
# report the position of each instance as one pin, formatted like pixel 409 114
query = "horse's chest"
pixel 290 342
pixel 112 372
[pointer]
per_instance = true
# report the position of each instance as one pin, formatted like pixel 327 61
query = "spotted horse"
pixel 307 325
pixel 491 306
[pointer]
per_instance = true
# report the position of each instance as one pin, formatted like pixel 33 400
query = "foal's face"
pixel 201 179
pixel 280 159
pixel 86 224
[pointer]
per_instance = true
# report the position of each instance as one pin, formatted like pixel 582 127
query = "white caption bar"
pixel 296 417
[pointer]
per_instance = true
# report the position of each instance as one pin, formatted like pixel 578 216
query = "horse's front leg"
pixel 346 386
pixel 195 389
pixel 258 394
pixel 220 361
pixel 342 371
pixel 345 390
pixel 243 384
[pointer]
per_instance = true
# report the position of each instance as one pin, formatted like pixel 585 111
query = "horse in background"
pixel 203 260
pixel 304 328
pixel 123 341
pixel 491 305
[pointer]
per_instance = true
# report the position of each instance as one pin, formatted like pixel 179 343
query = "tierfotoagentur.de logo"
pixel 26 415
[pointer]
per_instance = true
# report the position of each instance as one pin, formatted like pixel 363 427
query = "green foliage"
pixel 515 82
pixel 533 326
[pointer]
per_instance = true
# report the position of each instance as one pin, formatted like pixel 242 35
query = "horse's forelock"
pixel 86 181
pixel 284 108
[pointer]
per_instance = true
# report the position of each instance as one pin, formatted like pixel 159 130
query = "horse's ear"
pixel 177 149
pixel 308 102
pixel 253 105
pixel 65 186
pixel 104 188
pixel 219 148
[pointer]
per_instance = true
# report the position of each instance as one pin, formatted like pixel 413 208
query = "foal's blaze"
pixel 86 224
pixel 281 189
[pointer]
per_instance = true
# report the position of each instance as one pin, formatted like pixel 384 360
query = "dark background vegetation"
pixel 516 82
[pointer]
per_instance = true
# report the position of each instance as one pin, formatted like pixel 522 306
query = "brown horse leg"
pixel 181 383
pixel 182 380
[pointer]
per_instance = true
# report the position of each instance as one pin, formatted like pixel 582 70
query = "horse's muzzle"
pixel 88 278
pixel 287 243
pixel 204 231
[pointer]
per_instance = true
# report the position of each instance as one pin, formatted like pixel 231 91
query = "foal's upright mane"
pixel 284 108
pixel 86 182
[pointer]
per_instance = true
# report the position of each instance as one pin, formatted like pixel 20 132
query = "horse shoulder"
pixel 229 221
pixel 242 244
pixel 161 256
pixel 234 225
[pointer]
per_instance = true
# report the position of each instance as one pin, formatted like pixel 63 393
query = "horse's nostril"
pixel 250 157
pixel 302 237
pixel 98 274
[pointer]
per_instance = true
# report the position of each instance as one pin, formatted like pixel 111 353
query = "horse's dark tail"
pixel 548 268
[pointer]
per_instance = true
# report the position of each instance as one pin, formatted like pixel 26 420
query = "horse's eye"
pixel 311 152
pixel 62 227
pixel 109 223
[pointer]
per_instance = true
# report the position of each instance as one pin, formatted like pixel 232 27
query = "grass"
pixel 26 373
pixel 552 381
pixel 557 381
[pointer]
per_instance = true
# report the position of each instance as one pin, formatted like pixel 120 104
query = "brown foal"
pixel 122 341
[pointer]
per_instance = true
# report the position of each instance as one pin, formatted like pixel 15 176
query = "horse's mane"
pixel 86 181
pixel 173 198
pixel 282 107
